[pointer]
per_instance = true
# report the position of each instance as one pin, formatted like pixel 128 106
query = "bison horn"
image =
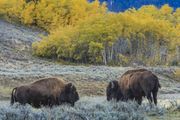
pixel 70 85
pixel 112 85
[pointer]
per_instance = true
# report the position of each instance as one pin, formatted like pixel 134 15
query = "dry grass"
pixel 84 88
pixel 5 92
pixel 177 74
pixel 89 88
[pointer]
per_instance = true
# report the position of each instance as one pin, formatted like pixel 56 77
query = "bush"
pixel 92 39
pixel 85 109
pixel 85 32
pixel 50 14
pixel 174 63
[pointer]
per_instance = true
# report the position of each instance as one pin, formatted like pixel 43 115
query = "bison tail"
pixel 158 84
pixel 13 96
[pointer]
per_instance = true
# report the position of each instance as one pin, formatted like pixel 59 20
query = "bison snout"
pixel 77 97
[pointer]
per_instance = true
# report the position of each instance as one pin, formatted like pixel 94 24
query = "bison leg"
pixel 72 104
pixel 36 105
pixel 155 97
pixel 138 100
pixel 149 97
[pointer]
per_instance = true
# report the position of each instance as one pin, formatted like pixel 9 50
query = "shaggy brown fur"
pixel 45 92
pixel 139 84
pixel 113 89
pixel 135 84
pixel 134 70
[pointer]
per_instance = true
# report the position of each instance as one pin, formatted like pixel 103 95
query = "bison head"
pixel 113 91
pixel 69 94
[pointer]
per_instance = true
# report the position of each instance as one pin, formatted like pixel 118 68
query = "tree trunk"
pixel 104 57
pixel 178 53
pixel 163 54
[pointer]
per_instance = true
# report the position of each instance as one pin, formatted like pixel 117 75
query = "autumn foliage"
pixel 87 33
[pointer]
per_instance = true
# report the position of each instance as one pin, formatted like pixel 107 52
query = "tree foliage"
pixel 49 14
pixel 87 32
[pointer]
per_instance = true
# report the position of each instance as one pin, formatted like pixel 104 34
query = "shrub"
pixel 85 109
pixel 86 32
pixel 174 63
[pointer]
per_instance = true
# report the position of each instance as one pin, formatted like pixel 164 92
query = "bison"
pixel 45 92
pixel 134 84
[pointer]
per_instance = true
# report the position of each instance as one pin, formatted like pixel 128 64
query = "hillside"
pixel 86 32
pixel 18 67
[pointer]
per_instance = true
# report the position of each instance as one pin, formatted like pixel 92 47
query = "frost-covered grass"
pixel 88 108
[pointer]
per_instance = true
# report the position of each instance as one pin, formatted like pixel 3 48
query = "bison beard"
pixel 68 95
pixel 133 85
pixel 45 92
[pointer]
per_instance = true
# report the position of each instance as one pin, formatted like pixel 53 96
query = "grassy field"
pixel 91 108
pixel 172 115
pixel 20 67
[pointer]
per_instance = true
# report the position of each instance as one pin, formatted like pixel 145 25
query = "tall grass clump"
pixel 85 109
